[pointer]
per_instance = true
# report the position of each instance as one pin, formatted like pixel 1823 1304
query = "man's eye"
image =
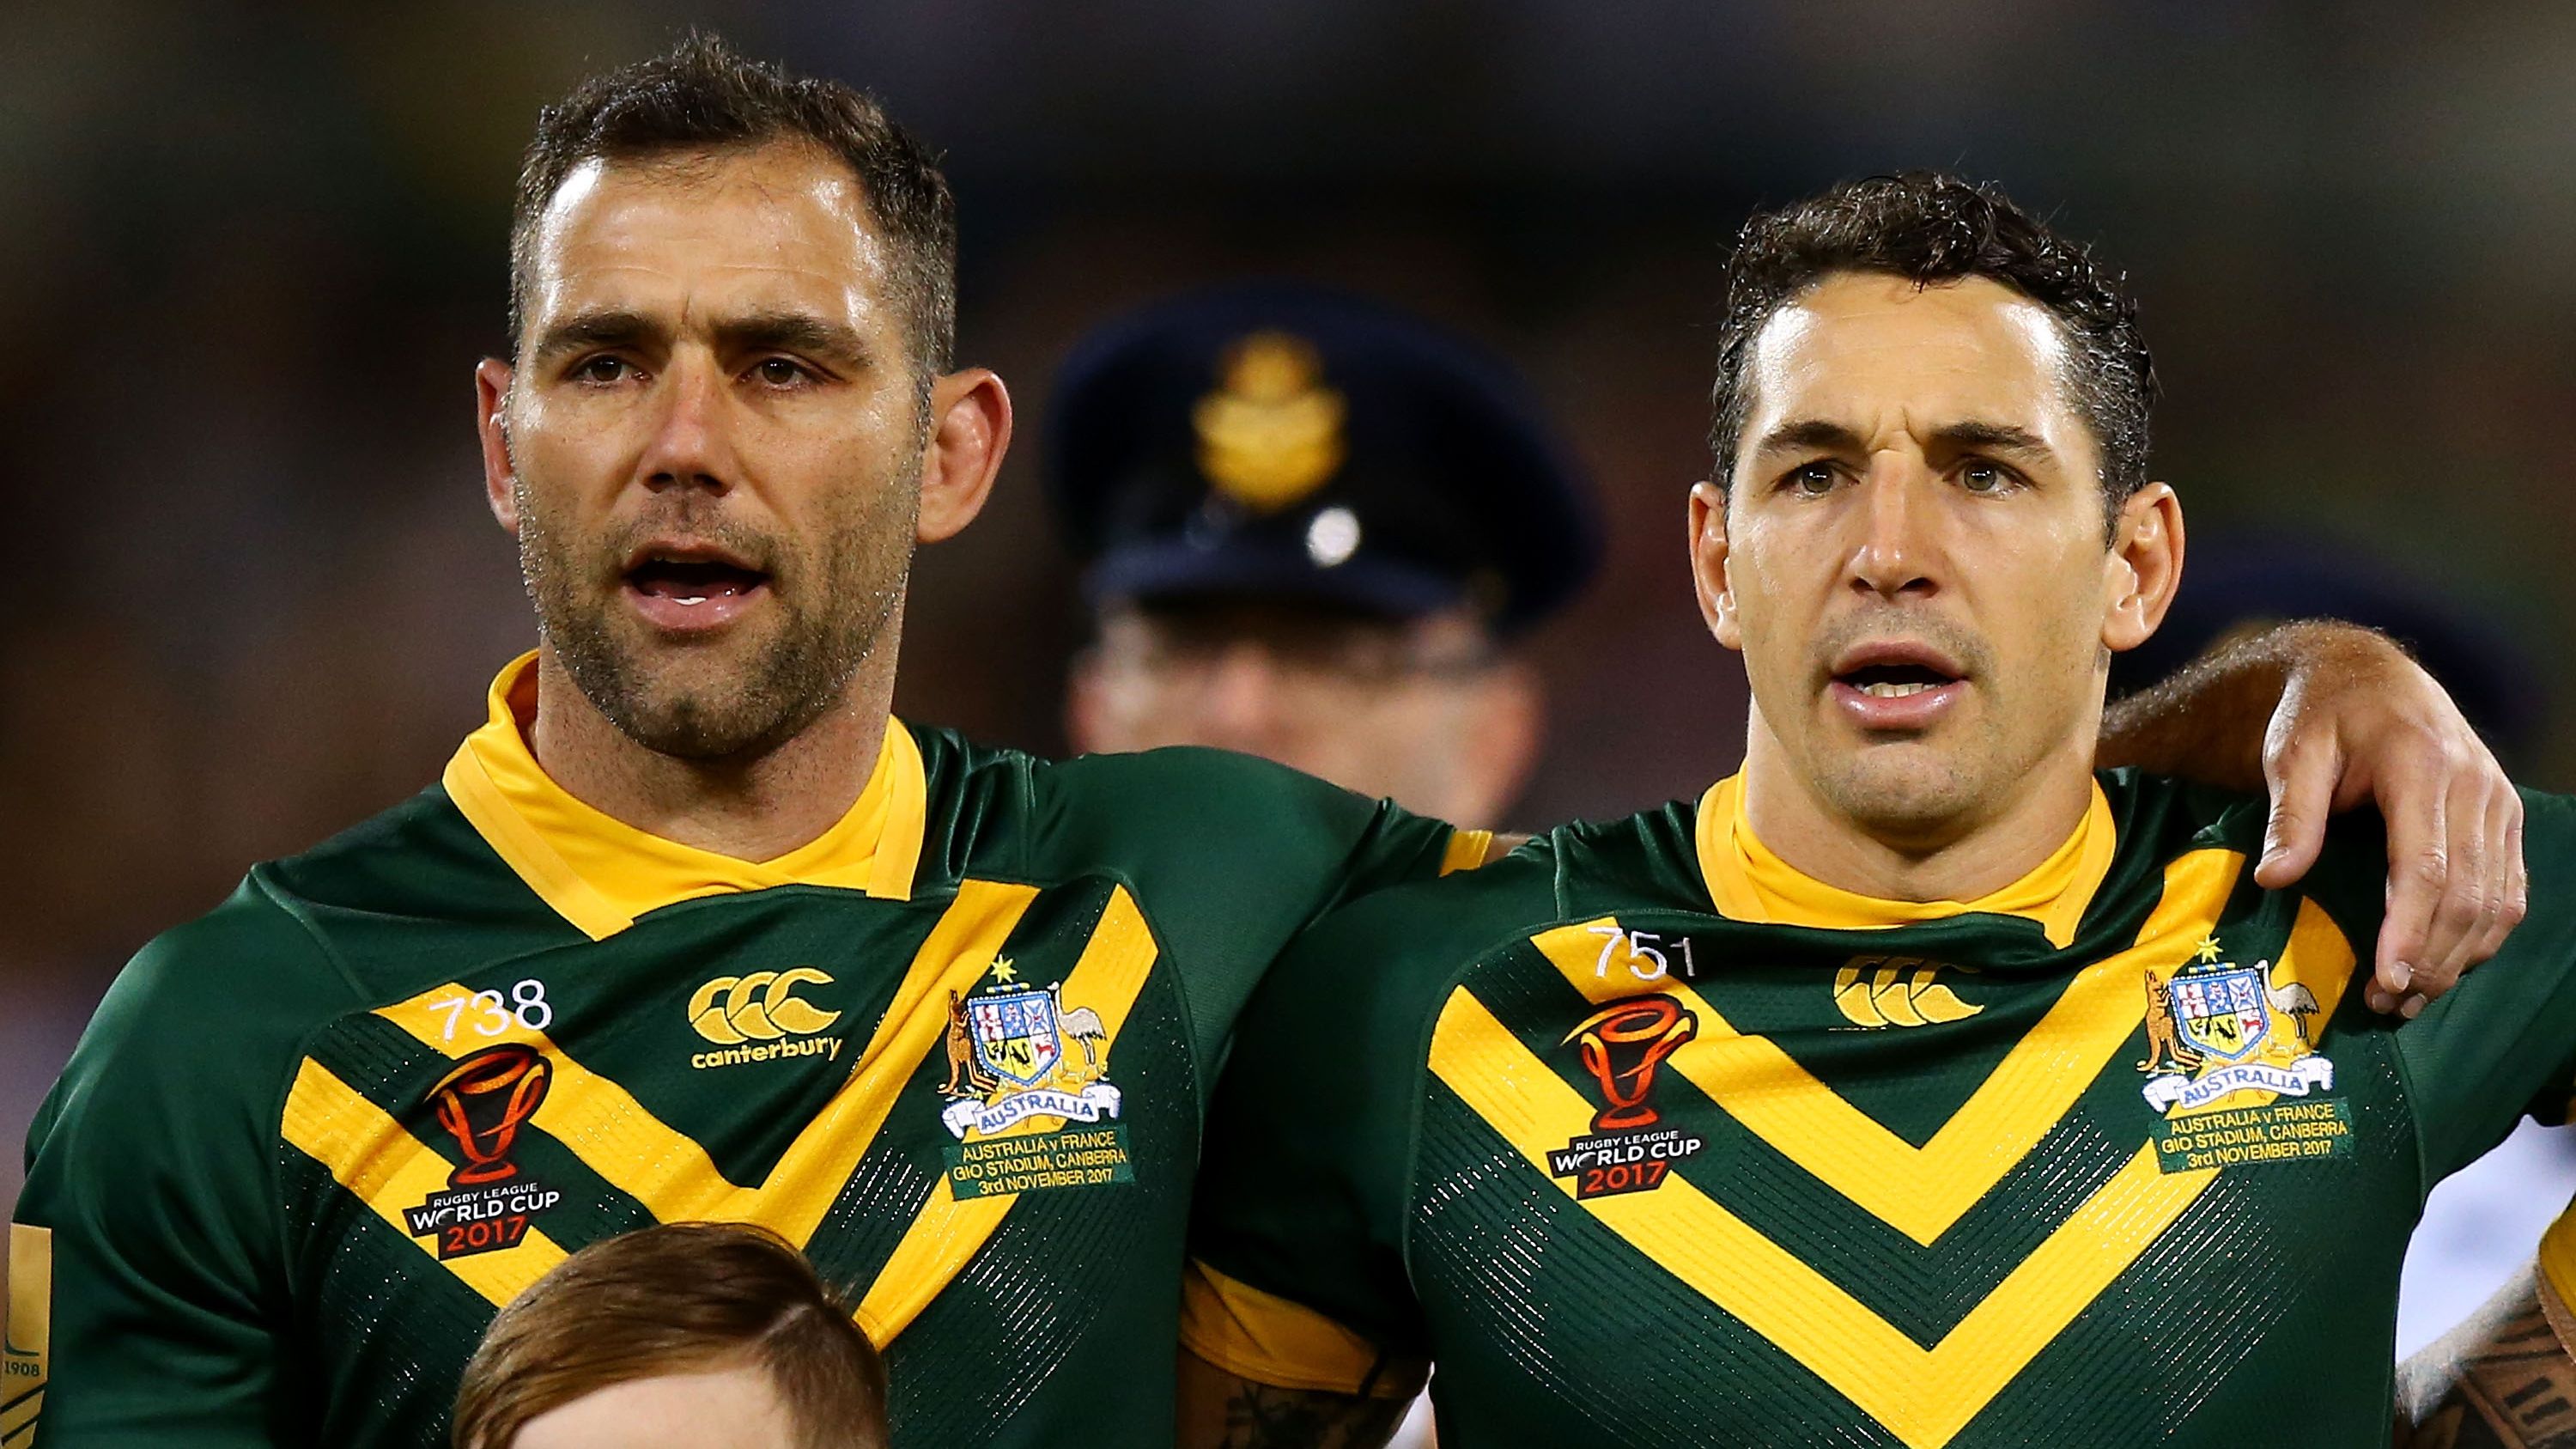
pixel 1984 478
pixel 779 372
pixel 603 368
pixel 1810 479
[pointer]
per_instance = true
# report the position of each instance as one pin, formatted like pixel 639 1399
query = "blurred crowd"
pixel 252 253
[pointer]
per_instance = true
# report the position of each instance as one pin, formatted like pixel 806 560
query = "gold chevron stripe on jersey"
pixel 1924 1396
pixel 947 1232
pixel 667 1171
pixel 1923 1191
pixel 599 1122
pixel 388 1169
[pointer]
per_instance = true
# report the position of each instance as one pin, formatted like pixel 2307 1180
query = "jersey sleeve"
pixel 1231 856
pixel 146 1283
pixel 2503 1042
pixel 1297 1277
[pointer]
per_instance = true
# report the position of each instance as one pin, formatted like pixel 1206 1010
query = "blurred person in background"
pixel 684 1336
pixel 1313 528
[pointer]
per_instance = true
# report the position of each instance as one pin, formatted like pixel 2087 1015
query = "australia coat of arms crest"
pixel 1021 1052
pixel 2216 1028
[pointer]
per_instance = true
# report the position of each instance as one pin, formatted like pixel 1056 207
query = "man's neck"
pixel 754 809
pixel 1979 853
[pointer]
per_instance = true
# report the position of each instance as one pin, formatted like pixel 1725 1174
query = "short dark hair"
pixel 676 1299
pixel 703 95
pixel 1931 227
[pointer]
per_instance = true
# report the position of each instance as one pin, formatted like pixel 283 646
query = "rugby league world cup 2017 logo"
pixel 482 1102
pixel 1623 1045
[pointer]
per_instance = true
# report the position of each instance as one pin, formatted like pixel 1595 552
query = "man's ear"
pixel 2144 569
pixel 1708 557
pixel 492 422
pixel 970 416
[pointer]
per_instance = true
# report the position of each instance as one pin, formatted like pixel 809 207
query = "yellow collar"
pixel 1748 883
pixel 600 873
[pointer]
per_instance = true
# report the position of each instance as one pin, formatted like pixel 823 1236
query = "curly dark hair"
pixel 703 95
pixel 1932 227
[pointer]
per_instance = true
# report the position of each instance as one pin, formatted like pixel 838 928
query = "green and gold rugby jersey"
pixel 957 1048
pixel 1645 1139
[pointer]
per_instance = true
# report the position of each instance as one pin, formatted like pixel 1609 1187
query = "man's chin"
pixel 704 700
pixel 692 727
pixel 1899 789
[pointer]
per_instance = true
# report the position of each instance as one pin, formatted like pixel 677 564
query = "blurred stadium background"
pixel 250 254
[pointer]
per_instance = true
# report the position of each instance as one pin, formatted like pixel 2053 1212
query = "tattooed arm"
pixel 1222 1411
pixel 2504 1379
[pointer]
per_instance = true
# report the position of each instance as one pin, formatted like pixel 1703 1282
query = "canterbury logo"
pixel 762 1006
pixel 1896 991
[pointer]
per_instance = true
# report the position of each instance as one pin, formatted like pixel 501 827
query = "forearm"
pixel 1219 1410
pixel 2208 721
pixel 2502 1380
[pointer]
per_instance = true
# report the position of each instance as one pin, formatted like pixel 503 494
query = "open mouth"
pixel 688 581
pixel 688 588
pixel 1895 685
pixel 1894 681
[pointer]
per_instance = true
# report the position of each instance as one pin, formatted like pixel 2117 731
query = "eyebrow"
pixel 598 329
pixel 795 332
pixel 1805 433
pixel 1816 433
pixel 753 332
pixel 1993 438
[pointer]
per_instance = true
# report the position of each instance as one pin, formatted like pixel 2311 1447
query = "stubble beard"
pixel 1916 792
pixel 727 699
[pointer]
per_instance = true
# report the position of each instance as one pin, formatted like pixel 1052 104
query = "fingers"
pixel 2488 891
pixel 2503 900
pixel 2301 778
pixel 2464 913
pixel 2419 868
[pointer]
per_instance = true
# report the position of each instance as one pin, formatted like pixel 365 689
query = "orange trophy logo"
pixel 481 1102
pixel 1622 1045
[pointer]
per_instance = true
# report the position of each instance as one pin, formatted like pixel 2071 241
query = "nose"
pixel 1893 556
pixel 690 446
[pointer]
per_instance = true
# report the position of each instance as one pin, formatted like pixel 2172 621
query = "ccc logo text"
pixel 746 1012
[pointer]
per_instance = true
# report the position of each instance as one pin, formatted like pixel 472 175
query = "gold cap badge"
pixel 1271 433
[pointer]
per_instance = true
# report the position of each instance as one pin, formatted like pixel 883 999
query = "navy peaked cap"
pixel 1283 441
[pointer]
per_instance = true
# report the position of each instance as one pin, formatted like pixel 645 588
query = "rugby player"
pixel 1916 1085
pixel 691 928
